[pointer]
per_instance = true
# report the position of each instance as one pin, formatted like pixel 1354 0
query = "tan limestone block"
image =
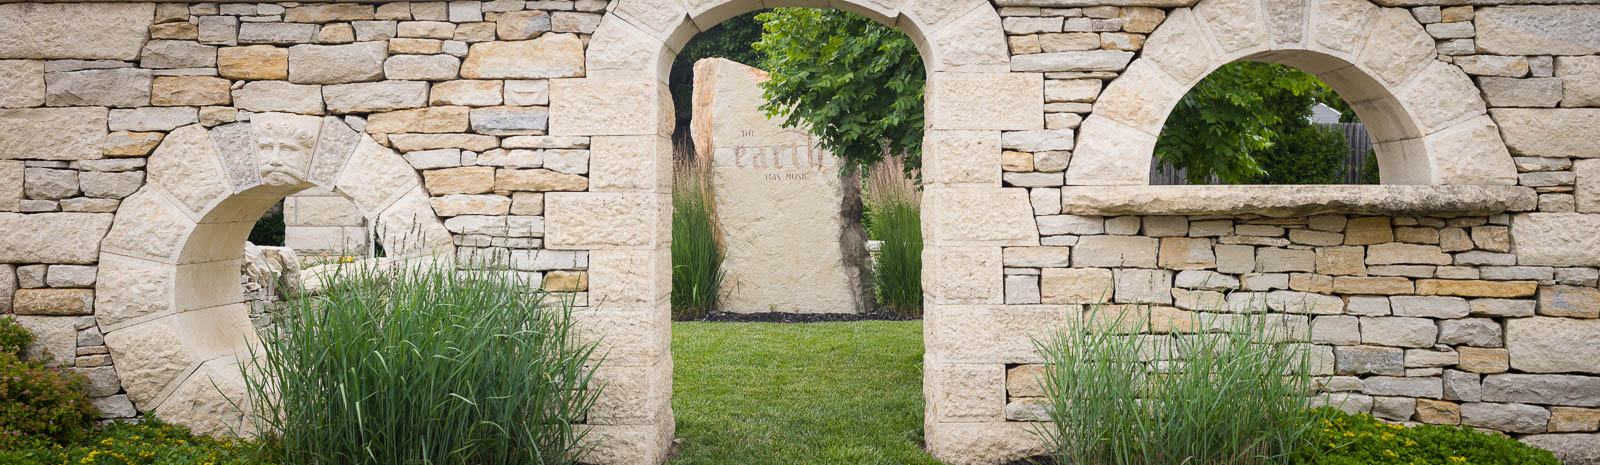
pixel 595 107
pixel 327 13
pixel 590 220
pixel 83 31
pixel 1116 251
pixel 59 302
pixel 967 392
pixel 1554 345
pixel 630 277
pixel 527 203
pixel 415 142
pixel 979 216
pixel 986 101
pixel 566 281
pixel 619 444
pixel 264 96
pixel 1075 285
pixel 522 25
pixel 1536 29
pixel 1574 419
pixel 253 62
pixel 963 275
pixel 630 163
pixel 1368 230
pixel 1569 301
pixel 1186 253
pixel 24 83
pixel 52 133
pixel 1438 412
pixel 54 338
pixel 1142 20
pixel 548 56
pixel 1372 285
pixel 430 120
pixel 973 42
pixel 1025 380
pixel 189 91
pixel 401 45
pixel 465 92
pixel 983 443
pixel 1348 260
pixel 538 180
pixel 464 180
pixel 175 31
pixel 1016 162
pixel 963 158
pixel 1484 360
pixel 1544 132
pixel 1475 288
pixel 1546 239
pixel 993 333
pixel 131 144
pixel 12 174
pixel 632 395
pixel 464 204
pixel 337 64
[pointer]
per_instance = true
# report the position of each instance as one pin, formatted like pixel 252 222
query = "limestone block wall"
pixel 139 140
pixel 320 222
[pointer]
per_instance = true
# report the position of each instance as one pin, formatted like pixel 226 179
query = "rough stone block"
pixel 548 56
pixel 264 96
pixel 1569 301
pixel 1554 345
pixel 337 64
pixel 74 30
pixel 1399 331
pixel 1548 132
pixel 1476 332
pixel 1362 360
pixel 52 133
pixel 1538 29
pixel 986 101
pixel 1116 251
pixel 1511 418
pixel 190 91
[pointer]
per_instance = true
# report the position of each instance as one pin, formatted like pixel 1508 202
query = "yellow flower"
pixel 1390 453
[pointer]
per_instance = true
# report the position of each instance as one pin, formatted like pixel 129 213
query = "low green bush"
pixel 1344 439
pixel 38 404
pixel 1231 394
pixel 894 216
pixel 419 364
pixel 150 442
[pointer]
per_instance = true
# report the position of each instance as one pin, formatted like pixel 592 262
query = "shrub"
pixel 38 404
pixel 1234 394
pixel 13 337
pixel 150 442
pixel 1343 439
pixel 894 216
pixel 411 364
pixel 696 244
pixel 269 230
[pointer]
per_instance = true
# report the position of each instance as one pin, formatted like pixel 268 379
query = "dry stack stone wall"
pixel 538 131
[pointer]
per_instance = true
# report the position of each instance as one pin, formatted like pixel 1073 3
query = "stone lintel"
pixel 1291 201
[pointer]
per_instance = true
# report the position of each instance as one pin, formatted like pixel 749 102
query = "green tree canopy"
pixel 1247 123
pixel 732 39
pixel 857 83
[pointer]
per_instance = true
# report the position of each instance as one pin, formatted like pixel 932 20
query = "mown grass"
pixel 817 393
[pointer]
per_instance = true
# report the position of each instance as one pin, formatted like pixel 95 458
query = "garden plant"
pixel 894 217
pixel 697 273
pixel 419 363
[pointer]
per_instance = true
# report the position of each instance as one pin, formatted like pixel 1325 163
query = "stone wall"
pixel 138 140
pixel 319 222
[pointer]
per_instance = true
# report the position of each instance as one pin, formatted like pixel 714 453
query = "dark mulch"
pixel 775 317
pixel 1040 460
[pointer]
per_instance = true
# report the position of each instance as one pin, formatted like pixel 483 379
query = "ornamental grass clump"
pixel 418 364
pixel 894 217
pixel 1215 389
pixel 697 273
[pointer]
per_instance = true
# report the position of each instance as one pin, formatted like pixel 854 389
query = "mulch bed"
pixel 803 317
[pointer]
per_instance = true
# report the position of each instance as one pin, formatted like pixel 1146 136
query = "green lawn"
pixel 815 393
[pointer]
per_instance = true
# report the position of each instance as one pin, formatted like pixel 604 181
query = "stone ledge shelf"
pixel 1291 201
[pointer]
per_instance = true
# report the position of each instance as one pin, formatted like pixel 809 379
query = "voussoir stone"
pixel 89 31
pixel 337 64
pixel 52 133
pixel 548 56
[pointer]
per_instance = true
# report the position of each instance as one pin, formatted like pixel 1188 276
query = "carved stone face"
pixel 285 151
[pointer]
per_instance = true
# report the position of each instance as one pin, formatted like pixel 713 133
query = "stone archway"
pixel 624 220
pixel 1426 116
pixel 169 297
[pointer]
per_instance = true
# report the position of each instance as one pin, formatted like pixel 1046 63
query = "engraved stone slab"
pixel 784 211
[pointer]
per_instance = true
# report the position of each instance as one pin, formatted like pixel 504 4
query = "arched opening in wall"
pixel 795 200
pixel 182 294
pixel 1256 122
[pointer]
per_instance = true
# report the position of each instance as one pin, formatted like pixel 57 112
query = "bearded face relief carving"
pixel 284 144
